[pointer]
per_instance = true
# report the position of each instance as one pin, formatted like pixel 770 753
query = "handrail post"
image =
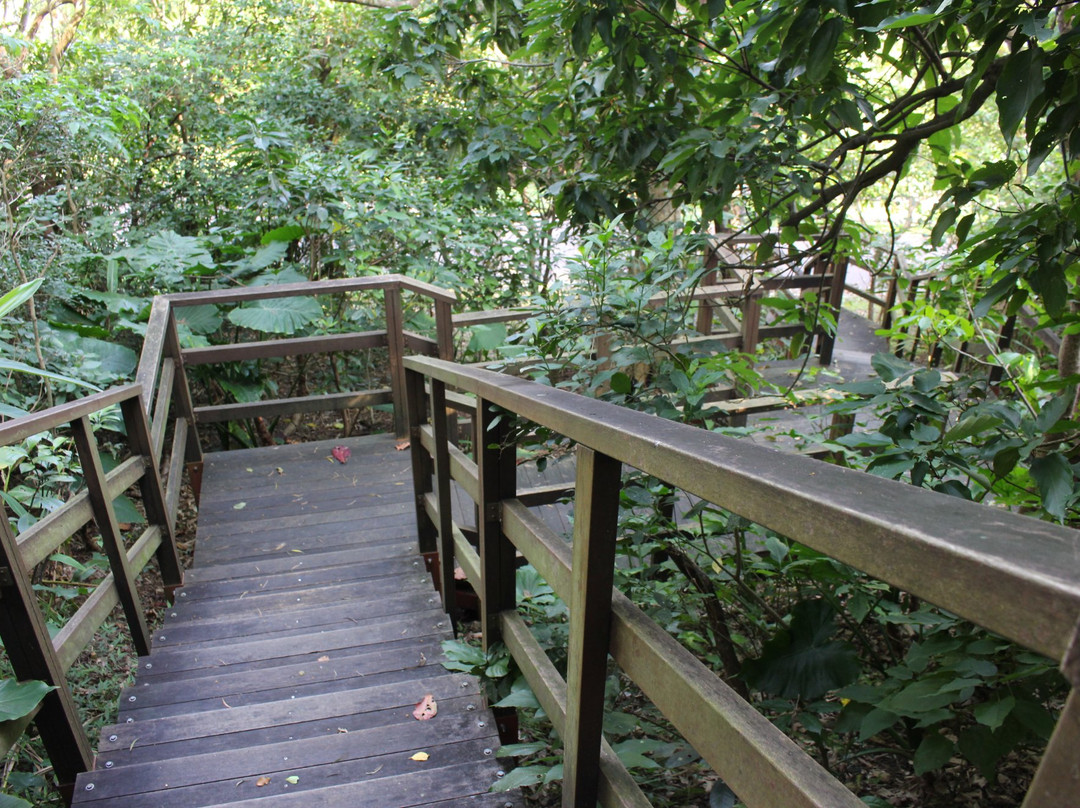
pixel 596 516
pixel 442 495
pixel 834 302
pixel 153 495
pixel 395 340
pixel 111 537
pixel 30 650
pixel 444 330
pixel 498 481
pixel 416 412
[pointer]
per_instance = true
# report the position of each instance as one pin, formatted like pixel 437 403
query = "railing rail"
pixel 958 555
pixel 33 654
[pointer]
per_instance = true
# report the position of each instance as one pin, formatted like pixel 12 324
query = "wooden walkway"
pixel 289 667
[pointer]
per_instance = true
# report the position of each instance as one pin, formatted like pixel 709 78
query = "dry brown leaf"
pixel 262 781
pixel 401 446
pixel 426 708
pixel 420 756
pixel 323 658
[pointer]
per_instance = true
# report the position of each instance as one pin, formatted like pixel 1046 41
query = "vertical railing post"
pixel 751 322
pixel 444 330
pixel 445 524
pixel 395 340
pixel 30 650
pixel 416 413
pixel 498 481
pixel 182 395
pixel 111 537
pixel 596 515
pixel 153 495
pixel 834 301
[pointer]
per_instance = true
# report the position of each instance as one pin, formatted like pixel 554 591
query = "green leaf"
pixel 621 383
pixel 1054 410
pixel 19 698
pixel 290 232
pixel 889 367
pixel 198 319
pixel 21 367
pixel 520 698
pixel 631 753
pixel 521 776
pixel 819 58
pixel 1020 83
pixel 801 660
pixel 875 721
pixel 282 316
pixel 721 796
pixel 7 801
pixel 971 426
pixel 521 749
pixel 487 337
pixel 1054 477
pixel 992 714
pixel 19 295
pixel 934 752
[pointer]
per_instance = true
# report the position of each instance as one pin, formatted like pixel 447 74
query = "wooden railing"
pixel 31 651
pixel 959 555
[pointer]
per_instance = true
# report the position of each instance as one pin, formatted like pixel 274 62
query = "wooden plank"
pixel 277 683
pixel 296 563
pixel 596 522
pixel 372 590
pixel 19 429
pixel 352 572
pixel 292 406
pixel 153 349
pixel 299 757
pixel 182 395
pixel 112 539
pixel 444 518
pixel 285 543
pixel 471 318
pixel 416 343
pixel 942 549
pixel 396 353
pixel 174 481
pixel 258 651
pixel 311 715
pixel 161 405
pixel 498 479
pixel 243 294
pixel 192 630
pixel 279 348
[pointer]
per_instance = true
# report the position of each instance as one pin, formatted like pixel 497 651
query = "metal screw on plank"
pixel 130 721
pixel 89 786
pixel 487 753
pixel 481 724
pixel 470 707
pixel 113 738
pixel 108 764
pixel 162 637
pixel 172 614
pixel 464 684
pixel 500 773
pixel 183 594
pixel 131 698
pixel 439 624
pixel 149 665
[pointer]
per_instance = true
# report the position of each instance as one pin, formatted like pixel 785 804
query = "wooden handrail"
pixel 956 554
pixel 32 652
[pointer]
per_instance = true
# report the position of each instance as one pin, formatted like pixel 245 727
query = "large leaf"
pixel 1021 82
pixel 7 801
pixel 199 319
pixel 114 361
pixel 19 698
pixel 284 316
pixel 21 367
pixel 801 660
pixel 17 296
pixel 1054 477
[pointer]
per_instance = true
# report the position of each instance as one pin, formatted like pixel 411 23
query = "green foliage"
pixel 19 698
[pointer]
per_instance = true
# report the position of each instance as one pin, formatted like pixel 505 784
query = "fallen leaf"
pixel 262 781
pixel 421 756
pixel 292 779
pixel 459 574
pixel 376 770
pixel 341 454
pixel 280 546
pixel 342 730
pixel 249 470
pixel 279 470
pixel 239 506
pixel 426 708
pixel 323 659
pixel 402 445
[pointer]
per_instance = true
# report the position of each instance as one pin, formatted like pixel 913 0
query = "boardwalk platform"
pixel 289 667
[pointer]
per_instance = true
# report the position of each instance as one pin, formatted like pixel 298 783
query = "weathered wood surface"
pixel 303 638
